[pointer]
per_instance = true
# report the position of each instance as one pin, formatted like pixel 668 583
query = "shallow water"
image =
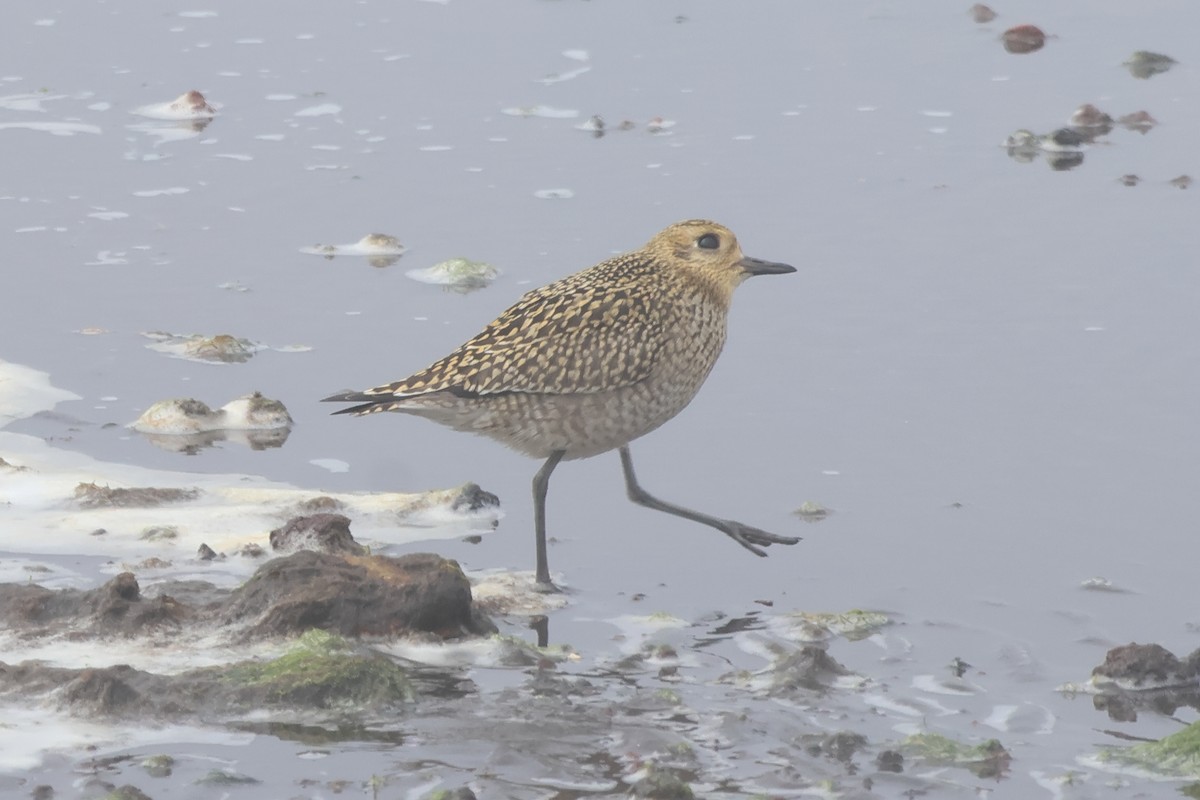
pixel 984 367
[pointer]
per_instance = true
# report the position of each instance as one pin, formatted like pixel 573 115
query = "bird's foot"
pixel 754 539
pixel 546 586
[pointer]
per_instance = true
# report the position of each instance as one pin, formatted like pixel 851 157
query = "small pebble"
pixel 1139 121
pixel 1024 39
pixel 981 13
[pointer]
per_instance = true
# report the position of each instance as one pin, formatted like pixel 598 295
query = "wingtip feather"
pixel 366 402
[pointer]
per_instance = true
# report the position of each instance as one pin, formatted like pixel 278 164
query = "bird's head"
pixel 710 252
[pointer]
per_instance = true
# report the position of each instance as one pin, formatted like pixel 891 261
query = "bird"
pixel 591 362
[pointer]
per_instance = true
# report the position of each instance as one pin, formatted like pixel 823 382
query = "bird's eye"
pixel 709 241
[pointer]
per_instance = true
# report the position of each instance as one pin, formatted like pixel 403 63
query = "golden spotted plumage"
pixel 598 330
pixel 593 361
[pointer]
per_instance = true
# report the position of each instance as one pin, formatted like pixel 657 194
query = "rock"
pixel 981 13
pixel 1135 676
pixel 251 550
pixel 320 503
pixel 117 607
pixel 1139 121
pixel 159 766
pixel 1145 64
pixel 473 498
pixel 809 667
pixel 352 595
pixel 106 691
pixel 1145 666
pixel 319 671
pixel 356 596
pixel 324 671
pixel 322 533
pixel 1023 39
pixel 200 596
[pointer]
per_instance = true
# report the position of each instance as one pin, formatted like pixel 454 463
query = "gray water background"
pixel 963 328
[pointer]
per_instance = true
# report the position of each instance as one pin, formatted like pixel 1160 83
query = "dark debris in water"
pixel 1145 64
pixel 841 746
pixel 1023 39
pixel 1139 121
pixel 1091 121
pixel 890 761
pixel 808 668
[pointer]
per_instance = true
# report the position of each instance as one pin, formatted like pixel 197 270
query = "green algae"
pixel 224 778
pixel 462 793
pixel 513 651
pixel 812 512
pixel 459 274
pixel 668 696
pixel 1177 755
pixel 853 625
pixel 988 759
pixel 159 766
pixel 325 670
pixel 127 792
pixel 662 783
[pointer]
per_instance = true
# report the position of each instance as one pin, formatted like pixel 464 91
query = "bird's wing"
pixel 573 336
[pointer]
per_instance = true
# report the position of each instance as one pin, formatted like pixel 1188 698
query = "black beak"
pixel 756 266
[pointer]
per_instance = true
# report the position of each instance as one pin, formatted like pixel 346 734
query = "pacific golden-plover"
pixel 591 362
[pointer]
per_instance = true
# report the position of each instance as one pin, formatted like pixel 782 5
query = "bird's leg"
pixel 541 482
pixel 744 535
